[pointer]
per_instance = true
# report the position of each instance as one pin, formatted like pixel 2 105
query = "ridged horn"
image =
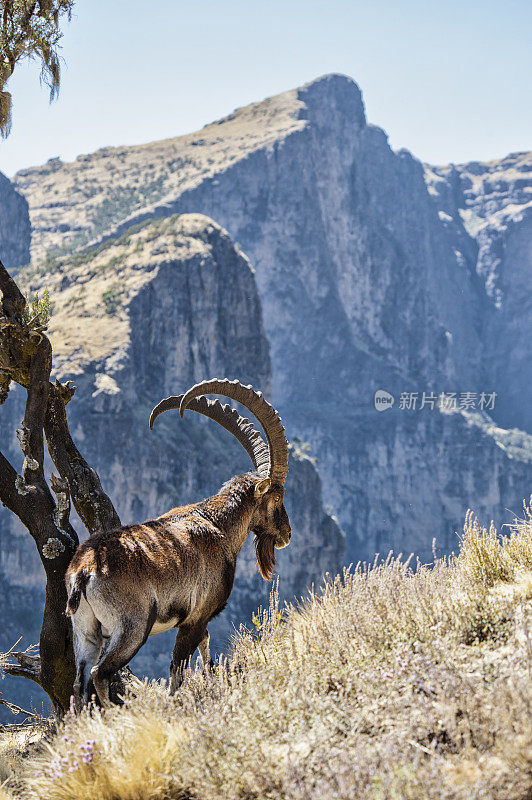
pixel 229 418
pixel 268 417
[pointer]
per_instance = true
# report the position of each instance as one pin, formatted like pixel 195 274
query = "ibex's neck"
pixel 231 509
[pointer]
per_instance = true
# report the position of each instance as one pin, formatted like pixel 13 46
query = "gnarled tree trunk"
pixel 26 359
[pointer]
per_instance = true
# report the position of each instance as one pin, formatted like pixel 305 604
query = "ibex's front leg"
pixel 188 639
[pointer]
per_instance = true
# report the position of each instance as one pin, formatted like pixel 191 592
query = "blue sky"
pixel 448 80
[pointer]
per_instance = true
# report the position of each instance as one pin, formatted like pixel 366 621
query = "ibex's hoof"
pixel 175 683
pixel 76 703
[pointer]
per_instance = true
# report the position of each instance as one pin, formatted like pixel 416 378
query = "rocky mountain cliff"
pixel 374 272
pixel 145 316
pixel 487 210
pixel 15 226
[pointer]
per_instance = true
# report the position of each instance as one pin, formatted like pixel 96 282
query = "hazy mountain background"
pixel 364 270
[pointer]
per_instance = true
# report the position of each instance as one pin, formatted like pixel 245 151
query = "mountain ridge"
pixel 371 275
pixel 175 303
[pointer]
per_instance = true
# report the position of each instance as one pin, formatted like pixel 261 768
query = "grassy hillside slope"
pixel 391 683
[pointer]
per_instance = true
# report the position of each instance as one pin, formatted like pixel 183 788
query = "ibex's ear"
pixel 262 487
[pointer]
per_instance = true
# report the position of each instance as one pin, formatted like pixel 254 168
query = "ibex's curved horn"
pixel 229 418
pixel 167 404
pixel 268 417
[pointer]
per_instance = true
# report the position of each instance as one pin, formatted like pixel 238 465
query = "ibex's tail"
pixel 76 583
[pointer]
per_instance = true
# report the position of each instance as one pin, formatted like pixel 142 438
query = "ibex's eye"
pixel 277 498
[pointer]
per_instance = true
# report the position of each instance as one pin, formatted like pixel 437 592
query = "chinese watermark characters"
pixel 443 401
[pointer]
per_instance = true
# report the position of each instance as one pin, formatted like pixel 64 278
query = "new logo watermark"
pixel 445 401
pixel 383 400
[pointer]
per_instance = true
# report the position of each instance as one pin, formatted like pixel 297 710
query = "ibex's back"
pixel 193 542
pixel 177 570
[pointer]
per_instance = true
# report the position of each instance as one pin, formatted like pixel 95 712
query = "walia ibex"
pixel 177 571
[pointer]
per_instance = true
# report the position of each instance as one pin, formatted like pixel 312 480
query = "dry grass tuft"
pixel 486 558
pixel 16 742
pixel 392 683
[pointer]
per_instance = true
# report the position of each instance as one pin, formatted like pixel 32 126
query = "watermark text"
pixel 443 401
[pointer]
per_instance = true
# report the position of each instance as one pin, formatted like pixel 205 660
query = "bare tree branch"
pixel 94 507
pixel 35 507
pixel 13 301
pixel 30 434
pixel 26 359
pixel 62 499
pixel 10 495
pixel 28 663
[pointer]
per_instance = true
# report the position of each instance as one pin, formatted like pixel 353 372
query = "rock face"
pixel 374 272
pixel 15 228
pixel 487 210
pixel 147 316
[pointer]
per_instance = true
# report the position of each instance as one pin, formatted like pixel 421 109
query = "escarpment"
pixel 143 317
pixel 15 226
pixel 374 272
pixel 486 208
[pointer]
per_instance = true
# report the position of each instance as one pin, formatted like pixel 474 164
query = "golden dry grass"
pixel 392 683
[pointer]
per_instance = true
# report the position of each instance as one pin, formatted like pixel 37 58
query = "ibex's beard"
pixel 265 547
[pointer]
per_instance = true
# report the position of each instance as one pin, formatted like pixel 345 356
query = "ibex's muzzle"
pixel 283 538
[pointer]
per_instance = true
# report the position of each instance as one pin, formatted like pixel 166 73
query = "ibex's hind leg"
pixel 186 643
pixel 122 645
pixel 84 663
pixel 87 647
